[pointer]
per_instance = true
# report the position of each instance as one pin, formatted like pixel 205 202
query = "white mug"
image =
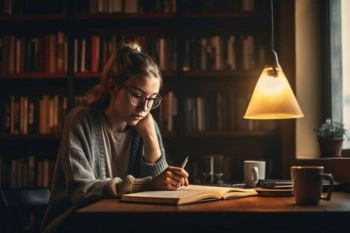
pixel 253 172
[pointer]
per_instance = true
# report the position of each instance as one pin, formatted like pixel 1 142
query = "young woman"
pixel 112 145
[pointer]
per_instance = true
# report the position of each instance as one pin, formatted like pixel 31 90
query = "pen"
pixel 183 165
pixel 184 162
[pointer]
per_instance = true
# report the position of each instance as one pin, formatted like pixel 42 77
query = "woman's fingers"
pixel 171 179
pixel 187 182
pixel 178 174
pixel 179 171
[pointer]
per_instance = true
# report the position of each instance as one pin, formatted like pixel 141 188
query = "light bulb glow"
pixel 270 85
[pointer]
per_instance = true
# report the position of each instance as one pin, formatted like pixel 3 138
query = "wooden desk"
pixel 249 213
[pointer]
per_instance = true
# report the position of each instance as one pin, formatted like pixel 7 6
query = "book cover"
pixel 188 194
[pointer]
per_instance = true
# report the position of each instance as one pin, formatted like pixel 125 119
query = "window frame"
pixel 331 46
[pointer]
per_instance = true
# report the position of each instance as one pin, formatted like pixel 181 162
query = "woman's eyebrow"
pixel 139 89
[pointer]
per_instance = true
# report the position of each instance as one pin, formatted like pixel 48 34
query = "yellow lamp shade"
pixel 273 98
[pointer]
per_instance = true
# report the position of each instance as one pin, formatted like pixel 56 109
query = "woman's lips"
pixel 137 116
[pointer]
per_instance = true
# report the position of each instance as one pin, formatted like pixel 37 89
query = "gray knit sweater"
pixel 80 171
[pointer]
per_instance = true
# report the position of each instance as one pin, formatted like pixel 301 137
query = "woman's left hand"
pixel 145 127
pixel 147 130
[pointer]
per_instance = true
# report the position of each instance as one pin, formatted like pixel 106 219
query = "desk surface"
pixel 340 203
pixel 255 212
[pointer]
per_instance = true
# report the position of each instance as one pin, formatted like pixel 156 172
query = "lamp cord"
pixel 272 39
pixel 273 55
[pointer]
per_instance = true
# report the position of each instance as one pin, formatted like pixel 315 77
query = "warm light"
pixel 273 97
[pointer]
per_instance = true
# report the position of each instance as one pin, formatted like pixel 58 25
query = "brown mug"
pixel 307 184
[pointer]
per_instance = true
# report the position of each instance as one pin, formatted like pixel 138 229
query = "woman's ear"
pixel 111 86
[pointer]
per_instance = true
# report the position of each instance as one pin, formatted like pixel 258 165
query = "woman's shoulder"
pixel 83 112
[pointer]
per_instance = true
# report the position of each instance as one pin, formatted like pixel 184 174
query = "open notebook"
pixel 188 194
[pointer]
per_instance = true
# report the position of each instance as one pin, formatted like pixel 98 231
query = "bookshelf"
pixel 210 53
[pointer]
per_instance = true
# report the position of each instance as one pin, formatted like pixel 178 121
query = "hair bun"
pixel 133 46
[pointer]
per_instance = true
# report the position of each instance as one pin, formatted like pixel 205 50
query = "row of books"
pixel 44 53
pixel 223 53
pixel 168 112
pixel 222 5
pixel 204 53
pixel 29 7
pixel 220 112
pixel 33 114
pixel 48 53
pixel 161 6
pixel 25 115
pixel 126 6
pixel 165 114
pixel 27 172
pixel 92 52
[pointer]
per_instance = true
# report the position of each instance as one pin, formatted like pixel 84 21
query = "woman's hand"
pixel 146 129
pixel 170 179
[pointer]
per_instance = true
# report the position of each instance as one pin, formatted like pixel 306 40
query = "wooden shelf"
pixel 80 17
pixel 7 137
pixel 232 134
pixel 221 74
pixel 184 34
pixel 88 17
pixel 33 75
pixel 41 17
pixel 87 75
pixel 123 16
pixel 204 15
pixel 93 75
pixel 225 15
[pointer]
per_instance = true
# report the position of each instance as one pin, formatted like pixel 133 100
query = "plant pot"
pixel 330 147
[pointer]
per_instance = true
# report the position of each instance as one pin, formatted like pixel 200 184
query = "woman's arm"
pixel 171 177
pixel 83 165
pixel 147 129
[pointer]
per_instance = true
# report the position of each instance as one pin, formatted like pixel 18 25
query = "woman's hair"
pixel 124 63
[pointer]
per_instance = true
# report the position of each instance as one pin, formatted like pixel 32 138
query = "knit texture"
pixel 80 171
pixel 132 184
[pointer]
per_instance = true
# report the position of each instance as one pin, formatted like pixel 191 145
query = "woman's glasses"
pixel 139 100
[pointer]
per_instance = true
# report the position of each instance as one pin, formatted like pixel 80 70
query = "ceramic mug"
pixel 307 184
pixel 253 172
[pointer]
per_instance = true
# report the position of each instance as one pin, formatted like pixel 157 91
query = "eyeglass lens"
pixel 140 100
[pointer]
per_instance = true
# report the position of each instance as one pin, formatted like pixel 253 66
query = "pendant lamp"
pixel 273 97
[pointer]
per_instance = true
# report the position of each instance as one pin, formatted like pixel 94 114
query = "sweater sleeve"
pixel 81 166
pixel 154 169
pixel 85 189
pixel 80 178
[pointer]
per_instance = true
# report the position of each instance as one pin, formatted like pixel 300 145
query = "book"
pixel 188 194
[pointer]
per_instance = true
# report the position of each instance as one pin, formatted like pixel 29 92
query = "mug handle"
pixel 255 173
pixel 328 176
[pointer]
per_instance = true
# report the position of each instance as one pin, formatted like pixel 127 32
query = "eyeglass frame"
pixel 144 99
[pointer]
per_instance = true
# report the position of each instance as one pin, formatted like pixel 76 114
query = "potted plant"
pixel 330 137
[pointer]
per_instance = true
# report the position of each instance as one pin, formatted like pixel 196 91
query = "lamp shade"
pixel 273 97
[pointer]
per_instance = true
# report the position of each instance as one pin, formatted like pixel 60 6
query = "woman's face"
pixel 138 86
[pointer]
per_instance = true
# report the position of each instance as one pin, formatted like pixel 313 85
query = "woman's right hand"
pixel 170 179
